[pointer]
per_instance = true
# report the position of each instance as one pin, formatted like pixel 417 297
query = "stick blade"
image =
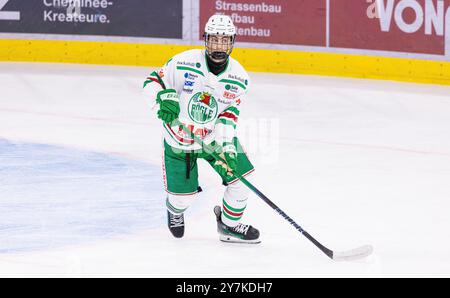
pixel 354 254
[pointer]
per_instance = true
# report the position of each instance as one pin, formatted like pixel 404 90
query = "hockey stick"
pixel 354 254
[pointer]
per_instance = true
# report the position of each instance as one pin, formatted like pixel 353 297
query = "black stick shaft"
pixel 325 250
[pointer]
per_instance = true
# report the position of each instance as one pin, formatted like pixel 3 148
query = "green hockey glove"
pixel 169 105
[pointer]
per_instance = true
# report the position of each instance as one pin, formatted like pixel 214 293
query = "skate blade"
pixel 231 239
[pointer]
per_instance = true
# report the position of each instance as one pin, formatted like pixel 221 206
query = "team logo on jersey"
pixel 202 107
pixel 189 83
pixel 186 63
pixel 231 88
pixel 190 76
pixel 229 95
pixel 238 78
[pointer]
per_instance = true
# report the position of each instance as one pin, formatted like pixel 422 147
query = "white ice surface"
pixel 354 162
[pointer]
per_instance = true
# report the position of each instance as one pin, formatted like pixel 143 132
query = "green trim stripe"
pixel 232 109
pixel 233 209
pixel 231 217
pixel 226 122
pixel 190 69
pixel 160 79
pixel 146 83
pixel 156 76
pixel 225 117
pixel 240 236
pixel 173 138
pixel 175 210
pixel 227 144
pixel 233 82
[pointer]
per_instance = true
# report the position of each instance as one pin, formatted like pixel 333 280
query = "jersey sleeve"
pixel 226 123
pixel 158 80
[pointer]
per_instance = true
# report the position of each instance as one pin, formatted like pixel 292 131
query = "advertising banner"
pixel 290 22
pixel 134 18
pixel 412 26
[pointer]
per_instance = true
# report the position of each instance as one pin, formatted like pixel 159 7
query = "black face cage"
pixel 233 39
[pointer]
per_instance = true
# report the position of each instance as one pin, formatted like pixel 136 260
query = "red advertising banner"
pixel 413 26
pixel 294 22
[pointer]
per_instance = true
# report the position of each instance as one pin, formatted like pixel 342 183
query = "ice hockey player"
pixel 202 89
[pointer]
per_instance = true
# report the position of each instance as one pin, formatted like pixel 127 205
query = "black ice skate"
pixel 176 224
pixel 239 234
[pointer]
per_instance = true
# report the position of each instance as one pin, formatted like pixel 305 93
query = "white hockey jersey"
pixel 209 104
